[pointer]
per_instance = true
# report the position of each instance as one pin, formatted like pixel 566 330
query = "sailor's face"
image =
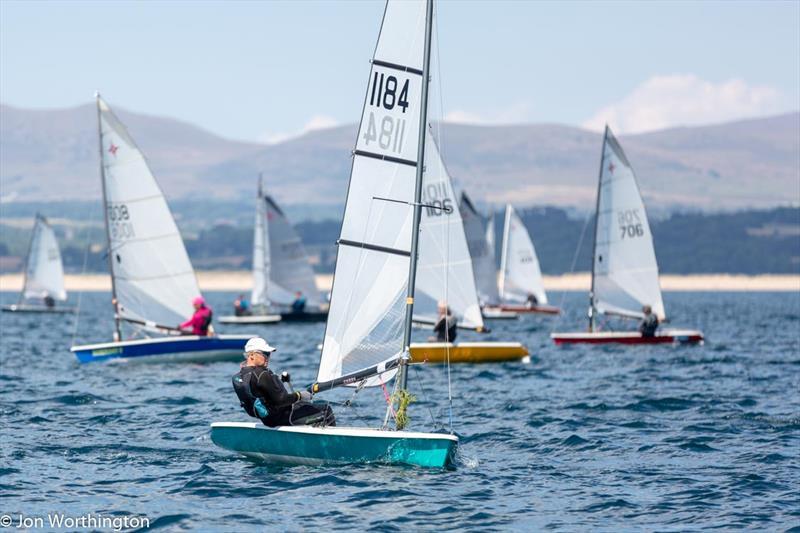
pixel 256 359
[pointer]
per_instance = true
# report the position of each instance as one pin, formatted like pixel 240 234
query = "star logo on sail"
pixel 113 149
pixel 611 166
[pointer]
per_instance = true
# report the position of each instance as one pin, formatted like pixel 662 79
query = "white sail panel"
pixel 153 277
pixel 289 268
pixel 365 320
pixel 44 271
pixel 520 274
pixel 444 269
pixel 625 268
pixel 476 231
pixel 261 254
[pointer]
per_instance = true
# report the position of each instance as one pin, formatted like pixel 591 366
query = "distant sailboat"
pixel 521 286
pixel 445 273
pixel 43 285
pixel 624 267
pixel 153 282
pixel 368 332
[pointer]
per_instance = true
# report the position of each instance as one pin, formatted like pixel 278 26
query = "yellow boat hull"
pixel 467 352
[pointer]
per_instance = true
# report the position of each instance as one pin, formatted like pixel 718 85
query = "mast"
pixel 504 250
pixel 402 376
pixel 28 259
pixel 592 310
pixel 117 334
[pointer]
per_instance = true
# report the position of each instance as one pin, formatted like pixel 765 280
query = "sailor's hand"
pixel 305 396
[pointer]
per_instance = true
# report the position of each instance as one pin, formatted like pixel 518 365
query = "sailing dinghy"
pixel 446 275
pixel 44 274
pixel 624 267
pixel 480 241
pixel 281 268
pixel 152 280
pixel 520 274
pixel 368 332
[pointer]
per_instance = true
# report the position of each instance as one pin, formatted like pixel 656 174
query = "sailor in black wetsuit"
pixel 649 324
pixel 445 328
pixel 262 394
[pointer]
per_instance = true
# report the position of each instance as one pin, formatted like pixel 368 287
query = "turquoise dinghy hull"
pixel 182 348
pixel 335 445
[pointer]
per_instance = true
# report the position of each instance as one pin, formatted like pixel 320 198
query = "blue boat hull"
pixel 335 445
pixel 189 348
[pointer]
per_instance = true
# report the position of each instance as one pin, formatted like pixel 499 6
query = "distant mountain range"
pixel 49 155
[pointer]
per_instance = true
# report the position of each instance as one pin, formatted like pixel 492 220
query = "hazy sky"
pixel 263 71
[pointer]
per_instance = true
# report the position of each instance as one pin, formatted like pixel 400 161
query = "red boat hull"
pixel 629 337
pixel 524 309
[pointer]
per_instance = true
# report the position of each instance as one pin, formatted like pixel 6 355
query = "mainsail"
pixel 444 269
pixel 287 265
pixel 477 234
pixel 44 271
pixel 260 253
pixel 152 277
pixel 520 274
pixel 625 272
pixel 366 319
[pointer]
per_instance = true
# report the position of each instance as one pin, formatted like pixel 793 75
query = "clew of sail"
pixel 444 269
pixel 260 253
pixel 520 274
pixel 476 233
pixel 44 271
pixel 364 332
pixel 625 269
pixel 153 278
pixel 288 267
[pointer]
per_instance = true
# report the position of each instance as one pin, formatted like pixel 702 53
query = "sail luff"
pixel 402 377
pixel 592 308
pixel 504 252
pixel 114 302
pixel 260 252
pixel 27 260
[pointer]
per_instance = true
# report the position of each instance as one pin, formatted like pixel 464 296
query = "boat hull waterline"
pixel 676 336
pixel 525 310
pixel 306 445
pixel 467 352
pixel 167 349
pixel 250 319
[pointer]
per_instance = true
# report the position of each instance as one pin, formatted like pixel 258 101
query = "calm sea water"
pixel 662 437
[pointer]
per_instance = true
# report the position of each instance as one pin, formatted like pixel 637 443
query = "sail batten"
pixel 153 278
pixel 625 269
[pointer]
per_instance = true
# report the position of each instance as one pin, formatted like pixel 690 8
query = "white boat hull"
pixel 250 319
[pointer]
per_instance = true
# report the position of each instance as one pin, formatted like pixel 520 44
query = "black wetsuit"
pixel 262 395
pixel 445 329
pixel 648 325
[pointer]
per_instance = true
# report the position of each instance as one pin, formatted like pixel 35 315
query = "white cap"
pixel 257 344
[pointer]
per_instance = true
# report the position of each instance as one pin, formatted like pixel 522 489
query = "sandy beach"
pixel 242 281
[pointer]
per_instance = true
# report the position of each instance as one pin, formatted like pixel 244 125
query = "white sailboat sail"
pixel 366 317
pixel 520 274
pixel 153 278
pixel 261 256
pixel 287 266
pixel 44 271
pixel 477 235
pixel 444 269
pixel 625 273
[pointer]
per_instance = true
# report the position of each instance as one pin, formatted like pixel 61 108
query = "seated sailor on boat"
pixel 445 328
pixel 241 307
pixel 531 300
pixel 262 394
pixel 649 324
pixel 49 301
pixel 299 303
pixel 200 322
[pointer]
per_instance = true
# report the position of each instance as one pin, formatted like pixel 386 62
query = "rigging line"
pixel 425 396
pixel 80 295
pixel 571 270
